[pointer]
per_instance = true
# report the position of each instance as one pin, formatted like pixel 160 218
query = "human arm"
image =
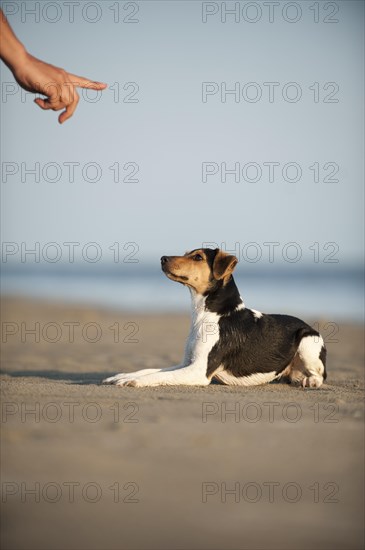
pixel 37 76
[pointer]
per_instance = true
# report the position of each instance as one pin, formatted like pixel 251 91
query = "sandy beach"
pixel 100 467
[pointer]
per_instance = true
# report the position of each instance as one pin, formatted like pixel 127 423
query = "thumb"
pixel 43 103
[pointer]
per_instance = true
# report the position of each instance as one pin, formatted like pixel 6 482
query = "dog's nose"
pixel 164 259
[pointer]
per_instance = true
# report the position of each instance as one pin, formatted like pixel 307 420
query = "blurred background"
pixel 237 125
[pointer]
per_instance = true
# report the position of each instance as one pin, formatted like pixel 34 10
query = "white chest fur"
pixel 204 332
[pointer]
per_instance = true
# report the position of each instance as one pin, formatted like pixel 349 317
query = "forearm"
pixel 12 51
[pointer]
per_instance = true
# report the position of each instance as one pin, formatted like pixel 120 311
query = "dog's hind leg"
pixel 309 364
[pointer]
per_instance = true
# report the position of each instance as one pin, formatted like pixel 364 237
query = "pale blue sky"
pixel 170 131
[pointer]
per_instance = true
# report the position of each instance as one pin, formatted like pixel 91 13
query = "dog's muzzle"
pixel 164 263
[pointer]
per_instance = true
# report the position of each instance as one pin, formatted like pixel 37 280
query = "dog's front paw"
pixel 130 382
pixel 113 379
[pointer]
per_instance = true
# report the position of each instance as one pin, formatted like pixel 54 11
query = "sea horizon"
pixel 333 292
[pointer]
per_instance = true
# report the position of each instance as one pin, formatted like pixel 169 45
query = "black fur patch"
pixel 323 358
pixel 222 299
pixel 210 254
pixel 249 345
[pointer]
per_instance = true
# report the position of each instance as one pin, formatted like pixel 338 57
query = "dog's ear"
pixel 223 265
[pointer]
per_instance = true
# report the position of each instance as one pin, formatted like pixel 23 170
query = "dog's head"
pixel 202 269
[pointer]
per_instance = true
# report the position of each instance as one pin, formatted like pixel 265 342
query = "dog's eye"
pixel 197 258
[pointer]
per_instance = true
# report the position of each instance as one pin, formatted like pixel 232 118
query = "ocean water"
pixel 331 294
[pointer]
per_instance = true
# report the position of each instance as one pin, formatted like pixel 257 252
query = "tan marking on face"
pixel 196 272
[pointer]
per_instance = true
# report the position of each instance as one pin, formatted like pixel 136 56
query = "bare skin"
pixel 36 76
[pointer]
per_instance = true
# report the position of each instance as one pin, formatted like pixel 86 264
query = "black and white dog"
pixel 228 341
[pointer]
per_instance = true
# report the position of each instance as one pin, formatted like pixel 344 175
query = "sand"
pixel 100 467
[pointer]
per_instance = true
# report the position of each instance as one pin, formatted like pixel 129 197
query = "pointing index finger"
pixel 82 82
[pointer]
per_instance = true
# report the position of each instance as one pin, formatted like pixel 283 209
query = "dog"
pixel 229 342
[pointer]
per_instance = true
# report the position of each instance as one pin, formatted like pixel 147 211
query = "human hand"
pixel 36 76
pixel 55 83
